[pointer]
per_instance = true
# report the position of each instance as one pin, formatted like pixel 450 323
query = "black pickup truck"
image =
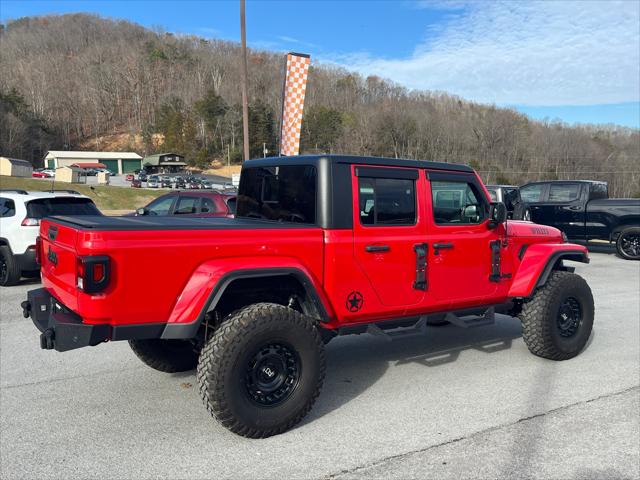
pixel 583 210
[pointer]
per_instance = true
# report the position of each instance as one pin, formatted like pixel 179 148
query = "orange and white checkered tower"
pixel 295 85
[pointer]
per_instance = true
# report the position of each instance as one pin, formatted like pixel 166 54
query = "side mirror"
pixel 497 214
pixel 141 211
pixel 470 211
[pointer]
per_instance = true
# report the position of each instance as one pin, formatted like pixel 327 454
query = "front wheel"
pixel 262 370
pixel 628 244
pixel 557 321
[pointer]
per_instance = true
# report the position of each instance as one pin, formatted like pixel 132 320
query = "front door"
pixel 386 230
pixel 564 208
pixel 462 249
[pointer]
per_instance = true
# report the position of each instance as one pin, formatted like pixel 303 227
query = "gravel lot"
pixel 453 403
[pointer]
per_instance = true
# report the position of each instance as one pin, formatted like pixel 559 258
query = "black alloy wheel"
pixel 569 317
pixel 629 244
pixel 272 374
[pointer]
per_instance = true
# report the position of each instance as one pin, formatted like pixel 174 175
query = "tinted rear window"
pixel 47 207
pixel 286 193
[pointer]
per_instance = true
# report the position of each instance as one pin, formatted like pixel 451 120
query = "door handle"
pixel 442 246
pixel 377 248
pixel 575 208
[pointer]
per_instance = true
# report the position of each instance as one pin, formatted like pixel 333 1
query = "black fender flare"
pixel 555 259
pixel 190 330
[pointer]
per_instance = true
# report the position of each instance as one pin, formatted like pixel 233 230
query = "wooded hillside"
pixel 67 80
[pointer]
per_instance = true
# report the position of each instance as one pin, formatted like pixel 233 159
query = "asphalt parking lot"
pixel 452 403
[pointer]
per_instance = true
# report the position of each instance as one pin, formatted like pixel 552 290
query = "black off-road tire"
pixel 167 356
pixel 9 270
pixel 544 321
pixel 629 240
pixel 231 361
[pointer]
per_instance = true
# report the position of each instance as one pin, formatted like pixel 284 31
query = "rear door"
pixel 461 246
pixel 386 229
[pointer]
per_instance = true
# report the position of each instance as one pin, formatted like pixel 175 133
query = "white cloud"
pixel 526 53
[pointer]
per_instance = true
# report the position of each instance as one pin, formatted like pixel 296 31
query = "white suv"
pixel 20 215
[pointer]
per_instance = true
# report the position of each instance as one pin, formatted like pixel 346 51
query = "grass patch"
pixel 105 197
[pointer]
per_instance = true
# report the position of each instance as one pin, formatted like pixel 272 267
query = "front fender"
pixel 208 281
pixel 538 263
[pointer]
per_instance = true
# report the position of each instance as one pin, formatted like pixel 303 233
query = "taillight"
pixel 39 250
pixel 92 273
pixel 30 222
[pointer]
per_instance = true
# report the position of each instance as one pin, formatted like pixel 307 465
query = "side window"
pixel 386 201
pixel 186 206
pixel 456 203
pixel 598 190
pixel 532 193
pixel 207 205
pixel 493 195
pixel 7 208
pixel 564 192
pixel 161 206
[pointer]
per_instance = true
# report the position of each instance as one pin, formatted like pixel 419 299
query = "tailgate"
pixel 58 261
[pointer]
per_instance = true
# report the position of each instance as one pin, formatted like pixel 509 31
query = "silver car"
pixel 153 181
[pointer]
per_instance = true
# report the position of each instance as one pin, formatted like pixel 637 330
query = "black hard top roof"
pixel 361 160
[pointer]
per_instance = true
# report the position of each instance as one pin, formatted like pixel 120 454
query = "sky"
pixel 575 61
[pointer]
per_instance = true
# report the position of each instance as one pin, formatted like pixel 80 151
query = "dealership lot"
pixel 451 403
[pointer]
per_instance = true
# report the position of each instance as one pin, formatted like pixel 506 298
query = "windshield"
pixel 47 207
pixel 286 193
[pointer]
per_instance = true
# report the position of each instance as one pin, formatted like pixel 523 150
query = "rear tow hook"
pixel 46 339
pixel 26 309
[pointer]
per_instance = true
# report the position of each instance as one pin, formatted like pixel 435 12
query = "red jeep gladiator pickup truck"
pixel 321 246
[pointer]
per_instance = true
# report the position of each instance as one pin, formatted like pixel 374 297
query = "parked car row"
pixel 186 182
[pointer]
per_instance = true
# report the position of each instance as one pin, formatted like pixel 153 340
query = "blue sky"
pixel 578 61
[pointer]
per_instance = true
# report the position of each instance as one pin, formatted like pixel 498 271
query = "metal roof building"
pixel 164 162
pixel 116 162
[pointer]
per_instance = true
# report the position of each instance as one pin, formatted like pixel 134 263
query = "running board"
pixel 489 318
pixel 401 332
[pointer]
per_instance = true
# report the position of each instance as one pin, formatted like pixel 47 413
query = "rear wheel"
pixel 9 269
pixel 262 370
pixel 168 356
pixel 557 322
pixel 628 244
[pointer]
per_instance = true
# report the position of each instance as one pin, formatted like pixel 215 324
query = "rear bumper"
pixel 62 330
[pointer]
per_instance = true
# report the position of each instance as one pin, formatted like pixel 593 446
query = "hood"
pixel 533 231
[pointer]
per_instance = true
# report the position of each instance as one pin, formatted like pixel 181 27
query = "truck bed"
pixel 152 258
pixel 169 222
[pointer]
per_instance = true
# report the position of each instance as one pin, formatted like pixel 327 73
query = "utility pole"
pixel 245 104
